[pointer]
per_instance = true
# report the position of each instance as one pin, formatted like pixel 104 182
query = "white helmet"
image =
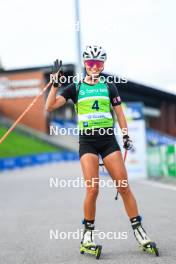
pixel 94 53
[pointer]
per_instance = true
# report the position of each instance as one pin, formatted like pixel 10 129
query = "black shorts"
pixel 98 144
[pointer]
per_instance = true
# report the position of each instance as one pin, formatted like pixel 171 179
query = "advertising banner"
pixel 136 158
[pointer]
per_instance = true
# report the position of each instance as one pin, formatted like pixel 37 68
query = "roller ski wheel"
pixel 98 251
pixel 92 250
pixel 150 248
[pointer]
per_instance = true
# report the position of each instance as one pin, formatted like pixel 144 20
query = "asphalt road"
pixel 36 219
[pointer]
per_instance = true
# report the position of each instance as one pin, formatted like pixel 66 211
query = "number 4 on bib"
pixel 95 105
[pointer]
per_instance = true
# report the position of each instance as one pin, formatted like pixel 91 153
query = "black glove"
pixel 57 73
pixel 127 142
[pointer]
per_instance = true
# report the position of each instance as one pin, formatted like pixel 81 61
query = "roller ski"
pixel 88 245
pixel 145 243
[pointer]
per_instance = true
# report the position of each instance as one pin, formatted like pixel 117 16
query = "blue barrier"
pixel 32 160
pixel 157 138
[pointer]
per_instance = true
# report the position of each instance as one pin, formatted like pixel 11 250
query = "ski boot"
pixel 142 238
pixel 87 244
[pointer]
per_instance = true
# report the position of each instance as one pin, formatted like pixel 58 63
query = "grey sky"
pixel 139 35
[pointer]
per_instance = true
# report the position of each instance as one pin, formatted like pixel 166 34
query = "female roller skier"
pixel 93 99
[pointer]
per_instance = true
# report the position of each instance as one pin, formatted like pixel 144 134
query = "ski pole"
pixel 125 155
pixel 58 67
pixel 24 113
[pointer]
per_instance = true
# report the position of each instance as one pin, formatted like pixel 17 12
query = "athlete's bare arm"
pixel 54 101
pixel 121 119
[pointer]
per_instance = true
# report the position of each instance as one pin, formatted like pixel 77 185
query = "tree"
pixel 1 66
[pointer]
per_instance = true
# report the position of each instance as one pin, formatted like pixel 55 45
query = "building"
pixel 20 86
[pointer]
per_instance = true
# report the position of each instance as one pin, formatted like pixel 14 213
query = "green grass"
pixel 18 144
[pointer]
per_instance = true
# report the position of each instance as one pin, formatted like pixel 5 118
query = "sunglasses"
pixel 91 63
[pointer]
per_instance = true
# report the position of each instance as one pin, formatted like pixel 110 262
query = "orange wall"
pixel 166 123
pixel 13 107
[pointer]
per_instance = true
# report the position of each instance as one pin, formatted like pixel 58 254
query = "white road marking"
pixel 159 185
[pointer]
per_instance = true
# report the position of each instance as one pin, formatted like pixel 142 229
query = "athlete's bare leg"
pixel 90 168
pixel 115 166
